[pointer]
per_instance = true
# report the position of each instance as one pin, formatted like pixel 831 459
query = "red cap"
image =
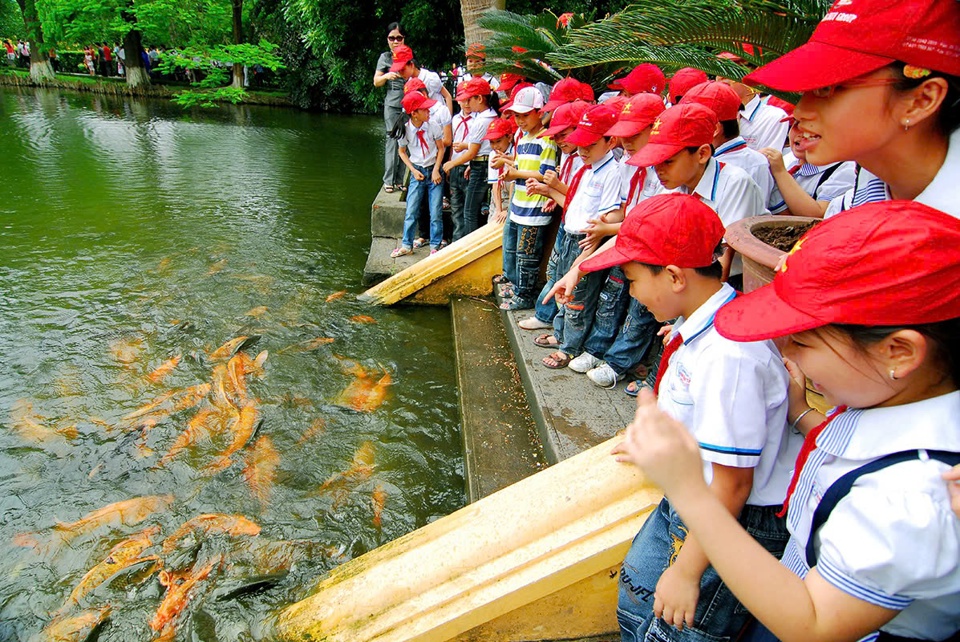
pixel 564 117
pixel 645 78
pixel 617 102
pixel 717 96
pixel 668 229
pixel 402 54
pixel 684 80
pixel 681 126
pixel 593 125
pixel 413 84
pixel 415 100
pixel 880 264
pixel 564 91
pixel 477 50
pixel 509 81
pixel 473 87
pixel 586 92
pixel 638 114
pixel 860 36
pixel 499 128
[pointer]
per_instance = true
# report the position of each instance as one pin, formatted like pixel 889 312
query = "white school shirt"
pixel 462 126
pixel 651 184
pixel 736 152
pixel 597 193
pixel 732 397
pixel 415 150
pixel 478 129
pixel 943 192
pixel 732 194
pixel 893 540
pixel 433 83
pixel 440 114
pixel 761 126
pixel 808 177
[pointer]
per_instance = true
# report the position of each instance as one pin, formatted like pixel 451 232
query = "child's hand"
pixel 596 231
pixel 447 167
pixel 953 476
pixel 562 290
pixel 417 174
pixel 664 333
pixel 664 448
pixel 536 187
pixel 466 173
pixel 437 178
pixel 459 147
pixel 775 158
pixel 498 160
pixel 500 216
pixel 549 206
pixel 551 179
pixel 797 393
pixel 675 599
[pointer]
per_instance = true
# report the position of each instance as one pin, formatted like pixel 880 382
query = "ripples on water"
pixel 128 228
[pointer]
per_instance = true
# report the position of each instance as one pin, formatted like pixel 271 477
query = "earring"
pixel 893 374
pixel 906 125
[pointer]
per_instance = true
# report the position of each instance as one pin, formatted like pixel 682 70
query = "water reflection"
pixel 137 240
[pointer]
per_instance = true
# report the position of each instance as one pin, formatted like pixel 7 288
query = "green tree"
pixel 40 68
pixel 11 20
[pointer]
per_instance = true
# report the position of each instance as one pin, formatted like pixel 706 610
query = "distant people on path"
pixel 11 52
pixel 392 110
pixel 88 60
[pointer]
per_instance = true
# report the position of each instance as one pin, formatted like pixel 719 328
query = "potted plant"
pixel 761 241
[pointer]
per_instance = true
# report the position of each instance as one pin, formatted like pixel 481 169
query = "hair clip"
pixel 915 72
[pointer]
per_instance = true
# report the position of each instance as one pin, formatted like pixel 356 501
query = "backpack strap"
pixel 825 176
pixel 840 488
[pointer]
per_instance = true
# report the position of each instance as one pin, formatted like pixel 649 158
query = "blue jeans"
pixel 565 252
pixel 637 334
pixel 529 255
pixel 546 312
pixel 414 196
pixel 510 250
pixel 719 615
pixel 612 306
pixel 580 311
pixel 475 197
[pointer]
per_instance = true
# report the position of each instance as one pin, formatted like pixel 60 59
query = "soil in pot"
pixel 783 238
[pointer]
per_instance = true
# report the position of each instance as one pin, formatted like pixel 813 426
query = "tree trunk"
pixel 237 40
pixel 136 73
pixel 40 68
pixel 471 10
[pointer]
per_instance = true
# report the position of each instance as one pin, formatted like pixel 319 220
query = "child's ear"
pixel 903 351
pixel 704 154
pixel 678 280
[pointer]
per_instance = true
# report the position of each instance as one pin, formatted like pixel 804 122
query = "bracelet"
pixel 793 426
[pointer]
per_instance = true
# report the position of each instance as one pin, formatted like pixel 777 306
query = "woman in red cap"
pixel 874 549
pixel 881 86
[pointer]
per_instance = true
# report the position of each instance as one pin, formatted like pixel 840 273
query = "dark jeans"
pixel 458 197
pixel 637 334
pixel 476 195
pixel 612 307
pixel 529 254
pixel 546 312
pixel 719 615
pixel 510 250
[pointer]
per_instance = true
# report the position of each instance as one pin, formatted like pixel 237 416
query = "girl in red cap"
pixel 881 86
pixel 874 549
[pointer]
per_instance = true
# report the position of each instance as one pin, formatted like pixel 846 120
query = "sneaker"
pixel 584 362
pixel 533 323
pixel 604 376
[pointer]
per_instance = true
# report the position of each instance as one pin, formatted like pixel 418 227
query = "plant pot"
pixel 759 259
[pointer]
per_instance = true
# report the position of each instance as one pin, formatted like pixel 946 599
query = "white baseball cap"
pixel 526 100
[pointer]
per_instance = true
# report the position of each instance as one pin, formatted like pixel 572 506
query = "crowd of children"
pixel 779 522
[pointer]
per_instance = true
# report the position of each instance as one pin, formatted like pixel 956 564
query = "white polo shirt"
pixel 651 184
pixel 432 80
pixel 478 129
pixel 422 153
pixel 732 194
pixel 893 540
pixel 810 177
pixel 440 114
pixel 943 192
pixel 598 193
pixel 736 152
pixel 733 398
pixel 760 124
pixel 461 131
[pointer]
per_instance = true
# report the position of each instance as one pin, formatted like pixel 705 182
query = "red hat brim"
pixel 654 154
pixel 604 260
pixel 553 131
pixel 815 65
pixel 761 315
pixel 400 64
pixel 582 138
pixel 553 104
pixel 627 128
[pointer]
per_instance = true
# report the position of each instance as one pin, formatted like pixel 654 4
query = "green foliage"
pixel 210 98
pixel 11 20
pixel 692 32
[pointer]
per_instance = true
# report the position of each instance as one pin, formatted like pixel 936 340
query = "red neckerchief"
pixel 466 127
pixel 793 170
pixel 422 137
pixel 638 179
pixel 672 346
pixel 809 445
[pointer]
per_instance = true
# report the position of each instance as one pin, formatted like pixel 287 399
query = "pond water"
pixel 135 239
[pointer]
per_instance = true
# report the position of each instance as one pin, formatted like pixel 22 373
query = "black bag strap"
pixel 824 177
pixel 840 488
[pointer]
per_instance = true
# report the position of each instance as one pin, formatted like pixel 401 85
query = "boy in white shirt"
pixel 421 150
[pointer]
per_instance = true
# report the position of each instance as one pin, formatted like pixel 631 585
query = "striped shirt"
pixel 533 155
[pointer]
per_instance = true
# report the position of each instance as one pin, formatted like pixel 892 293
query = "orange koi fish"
pixel 124 554
pixel 360 469
pixel 261 468
pixel 363 394
pixel 179 591
pixel 232 525
pixel 150 407
pixel 191 397
pixel 127 350
pixel 363 318
pixel 217 267
pixel 256 312
pixel 243 429
pixel 129 511
pixel 336 295
pixel 29 426
pixel 378 499
pixel 164 369
pixel 196 427
pixel 306 346
pixel 318 426
pixel 78 627
pixel 229 348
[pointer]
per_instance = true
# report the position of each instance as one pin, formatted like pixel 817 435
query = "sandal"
pixel 505 291
pixel 419 242
pixel 400 251
pixel 389 189
pixel 546 341
pixel 515 304
pixel 500 279
pixel 633 388
pixel 557 360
